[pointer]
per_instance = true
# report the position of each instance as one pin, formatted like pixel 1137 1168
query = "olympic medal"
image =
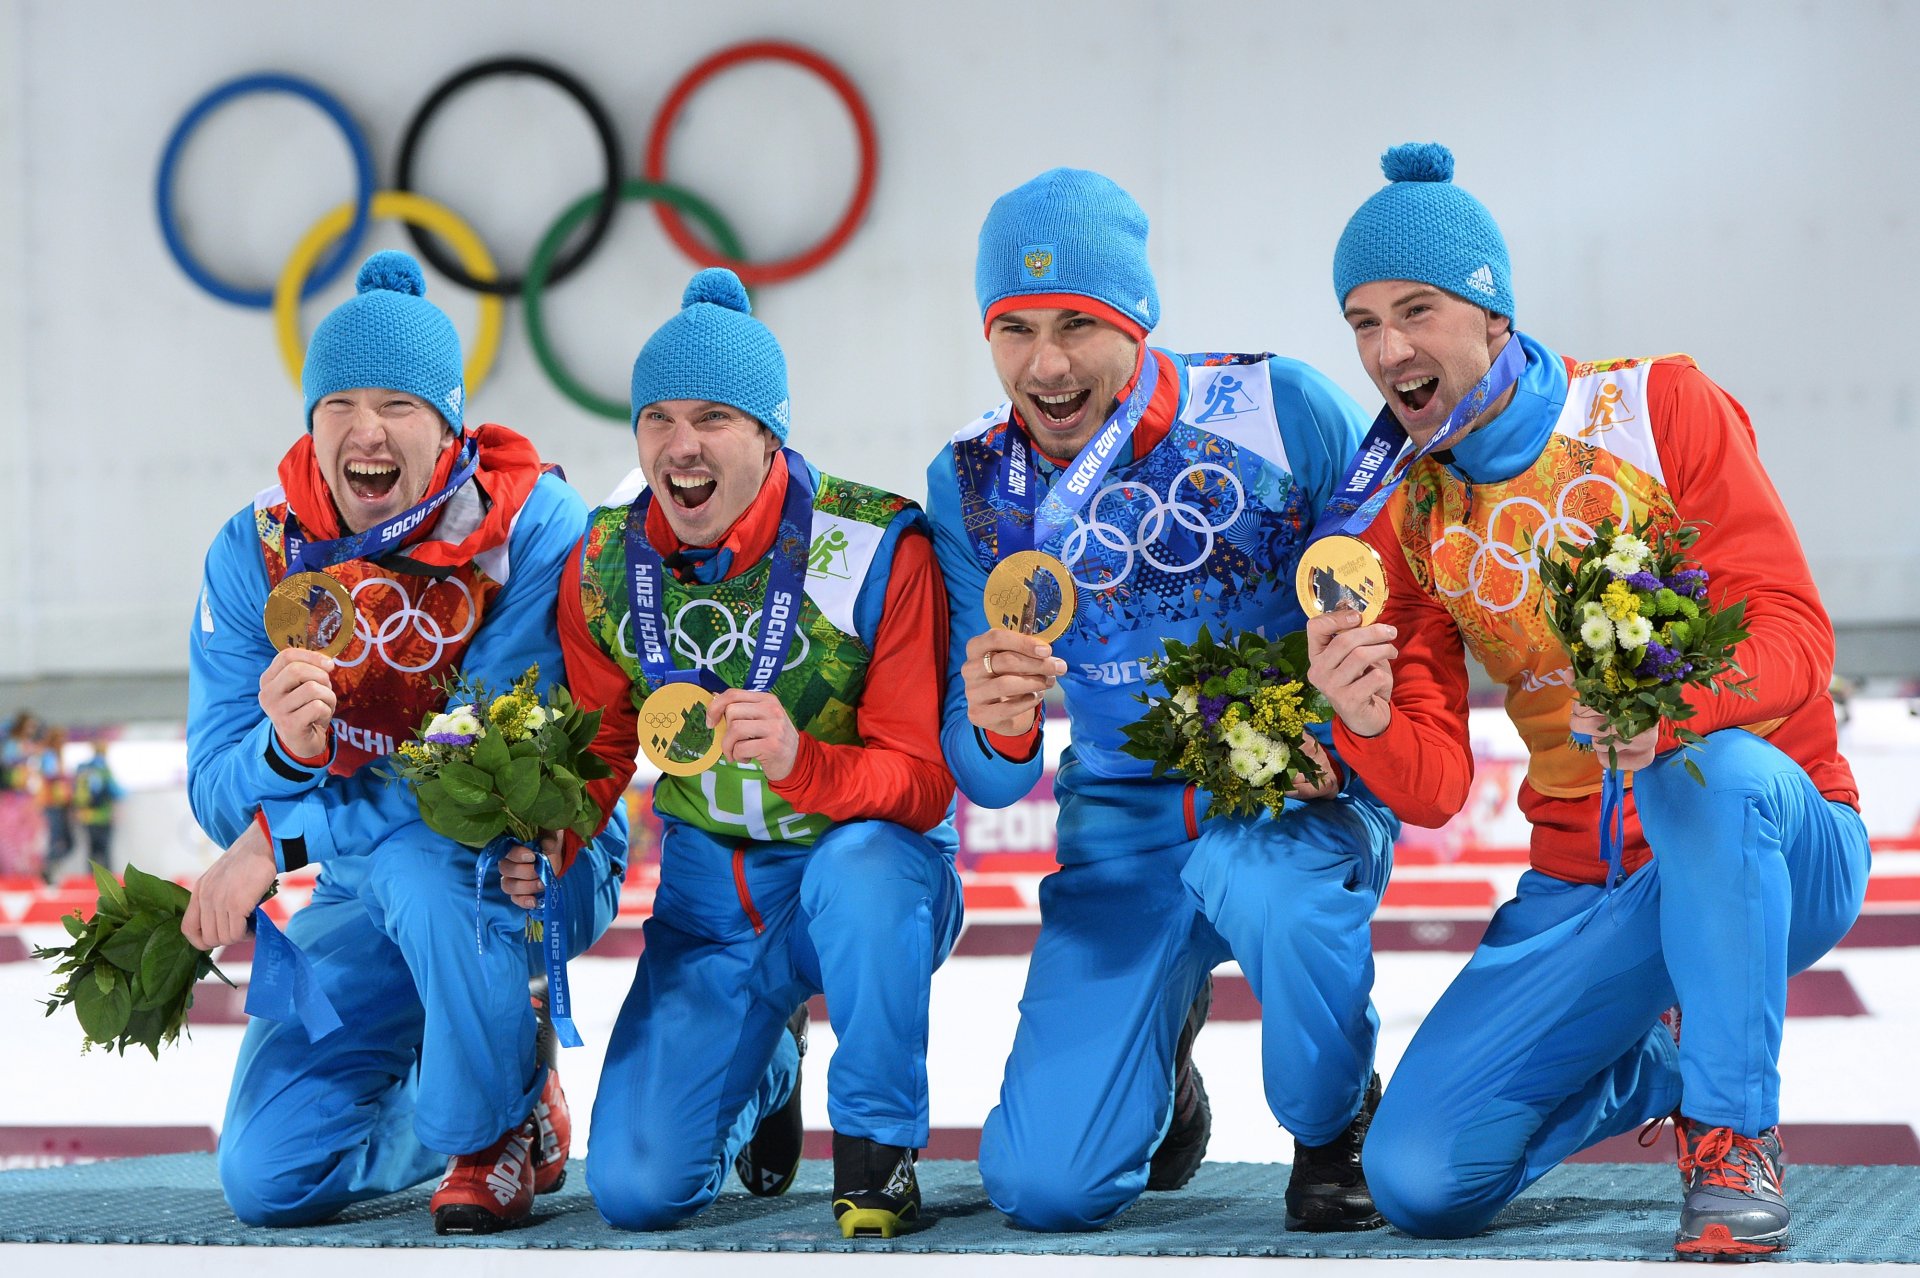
pixel 1030 592
pixel 1342 572
pixel 673 729
pixel 310 610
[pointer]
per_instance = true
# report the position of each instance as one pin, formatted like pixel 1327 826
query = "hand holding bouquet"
pixel 1234 720
pixel 130 973
pixel 511 764
pixel 1632 613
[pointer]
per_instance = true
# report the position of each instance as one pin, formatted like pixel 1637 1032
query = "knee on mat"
pixel 646 1196
pixel 268 1200
pixel 1418 1189
pixel 1048 1197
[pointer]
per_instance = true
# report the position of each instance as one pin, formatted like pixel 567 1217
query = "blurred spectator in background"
pixel 95 794
pixel 56 801
pixel 22 830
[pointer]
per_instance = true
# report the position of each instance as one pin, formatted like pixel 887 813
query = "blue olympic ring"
pixel 343 252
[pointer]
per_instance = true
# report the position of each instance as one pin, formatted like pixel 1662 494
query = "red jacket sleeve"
pixel 898 774
pixel 1421 765
pixel 1748 547
pixel 596 682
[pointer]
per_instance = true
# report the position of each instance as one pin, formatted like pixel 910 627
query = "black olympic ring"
pixel 511 285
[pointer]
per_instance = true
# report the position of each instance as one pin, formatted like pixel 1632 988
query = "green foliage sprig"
pixel 1233 719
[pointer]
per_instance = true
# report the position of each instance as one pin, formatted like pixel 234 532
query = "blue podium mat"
pixel 1579 1212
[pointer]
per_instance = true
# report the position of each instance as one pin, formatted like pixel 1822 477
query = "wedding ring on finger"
pixel 986 663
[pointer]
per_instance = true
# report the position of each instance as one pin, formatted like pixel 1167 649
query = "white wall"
pixel 1730 179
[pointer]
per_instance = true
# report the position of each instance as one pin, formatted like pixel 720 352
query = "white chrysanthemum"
pixel 1592 612
pixel 1187 701
pixel 437 725
pixel 1628 546
pixel 1597 632
pixel 1266 774
pixel 539 716
pixel 463 720
pixel 1634 632
pixel 1241 736
pixel 1244 765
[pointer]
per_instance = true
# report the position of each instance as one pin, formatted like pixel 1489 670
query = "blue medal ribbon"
pixel 779 610
pixel 308 556
pixel 1363 493
pixel 1034 520
pixel 553 942
pixel 283 986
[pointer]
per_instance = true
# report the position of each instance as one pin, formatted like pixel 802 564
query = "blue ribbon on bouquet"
pixel 1613 818
pixel 283 986
pixel 553 945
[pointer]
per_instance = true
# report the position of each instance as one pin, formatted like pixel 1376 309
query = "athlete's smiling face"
pixel 705 463
pixel 377 449
pixel 1425 349
pixel 1062 370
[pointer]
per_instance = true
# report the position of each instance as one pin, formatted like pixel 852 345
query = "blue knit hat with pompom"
pixel 388 335
pixel 1423 227
pixel 715 350
pixel 1072 233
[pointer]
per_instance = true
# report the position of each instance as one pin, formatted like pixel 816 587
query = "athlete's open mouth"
pixel 1416 394
pixel 372 481
pixel 1062 407
pixel 690 493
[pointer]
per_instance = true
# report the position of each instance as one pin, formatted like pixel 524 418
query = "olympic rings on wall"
pixel 800 264
pixel 602 128
pixel 414 210
pixel 434 228
pixel 218 97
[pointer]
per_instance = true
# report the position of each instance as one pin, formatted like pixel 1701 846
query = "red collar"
pixel 509 468
pixel 1154 423
pixel 749 538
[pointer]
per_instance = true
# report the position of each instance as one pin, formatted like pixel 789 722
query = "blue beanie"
pixel 716 351
pixel 1423 227
pixel 1068 232
pixel 388 335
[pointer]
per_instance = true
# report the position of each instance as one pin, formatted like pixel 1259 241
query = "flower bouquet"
pixel 1234 719
pixel 517 767
pixel 1632 613
pixel 130 973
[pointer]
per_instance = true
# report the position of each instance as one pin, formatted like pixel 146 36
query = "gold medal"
pixel 310 610
pixel 673 729
pixel 1030 592
pixel 1342 572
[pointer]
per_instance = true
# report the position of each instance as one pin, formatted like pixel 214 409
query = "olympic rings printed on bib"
pixel 219 96
pixel 609 189
pixel 1554 527
pixel 800 263
pixel 1152 526
pixel 739 634
pixel 322 255
pixel 414 210
pixel 403 622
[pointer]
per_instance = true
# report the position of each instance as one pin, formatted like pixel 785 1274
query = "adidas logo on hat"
pixel 1481 281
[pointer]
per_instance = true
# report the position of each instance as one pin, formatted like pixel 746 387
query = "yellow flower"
pixel 1620 601
pixel 1610 678
pixel 1278 711
pixel 414 752
pixel 509 715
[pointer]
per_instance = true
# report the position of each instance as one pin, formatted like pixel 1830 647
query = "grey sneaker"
pixel 1736 1206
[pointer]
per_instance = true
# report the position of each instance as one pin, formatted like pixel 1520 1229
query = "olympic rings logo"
pixel 333 243
pixel 404 621
pixel 1558 525
pixel 1151 527
pixel 738 634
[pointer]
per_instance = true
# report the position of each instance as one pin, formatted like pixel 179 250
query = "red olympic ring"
pixel 656 163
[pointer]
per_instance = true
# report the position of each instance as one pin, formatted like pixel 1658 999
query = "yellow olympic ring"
pixel 402 206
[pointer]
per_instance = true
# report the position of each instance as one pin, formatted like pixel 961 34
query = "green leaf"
pixel 147 1026
pixel 1693 770
pixel 75 925
pixel 113 897
pixel 166 968
pixel 549 809
pixel 103 1004
pixel 123 951
pixel 528 749
pixel 147 892
pixel 465 827
pixel 491 753
pixel 466 784
pixel 519 784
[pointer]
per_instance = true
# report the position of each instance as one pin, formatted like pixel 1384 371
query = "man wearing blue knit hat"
pixel 1188 483
pixel 446 545
pixel 1705 896
pixel 773 638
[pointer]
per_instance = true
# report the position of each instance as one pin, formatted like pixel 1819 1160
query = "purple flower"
pixel 1211 708
pixel 449 738
pixel 1664 663
pixel 1270 673
pixel 1643 580
pixel 1691 582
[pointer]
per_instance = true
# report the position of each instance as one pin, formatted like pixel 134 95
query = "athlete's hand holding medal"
pixel 1029 600
pixel 309 618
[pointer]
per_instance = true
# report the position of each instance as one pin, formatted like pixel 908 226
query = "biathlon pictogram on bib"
pixel 451 246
